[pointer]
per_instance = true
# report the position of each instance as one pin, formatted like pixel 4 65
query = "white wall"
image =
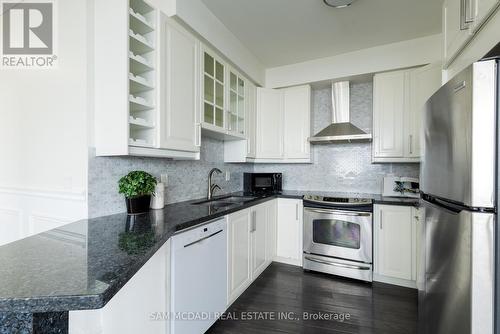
pixel 404 54
pixel 43 134
pixel 204 22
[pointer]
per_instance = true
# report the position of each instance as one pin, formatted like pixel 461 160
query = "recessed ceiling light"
pixel 338 3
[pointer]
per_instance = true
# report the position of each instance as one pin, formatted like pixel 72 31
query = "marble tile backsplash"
pixel 336 167
pixel 340 167
pixel 186 179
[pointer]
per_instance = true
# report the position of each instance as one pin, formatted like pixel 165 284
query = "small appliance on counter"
pixel 262 183
pixel 398 186
pixel 338 236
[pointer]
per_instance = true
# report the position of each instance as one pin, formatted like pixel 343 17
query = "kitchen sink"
pixel 226 201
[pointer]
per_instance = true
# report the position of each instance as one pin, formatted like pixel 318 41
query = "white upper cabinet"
pixel 269 124
pixel 223 98
pixel 424 82
pixel 137 78
pixel 457 18
pixel 462 20
pixel 213 88
pixel 179 85
pixel 297 113
pixel 399 98
pixel 390 91
pixel 283 125
pixel 236 111
pixel 482 10
pixel 251 120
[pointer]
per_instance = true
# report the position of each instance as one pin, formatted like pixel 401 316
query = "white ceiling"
pixel 281 32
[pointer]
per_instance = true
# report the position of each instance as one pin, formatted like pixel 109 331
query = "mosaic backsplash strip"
pixel 336 167
pixel 341 167
pixel 186 179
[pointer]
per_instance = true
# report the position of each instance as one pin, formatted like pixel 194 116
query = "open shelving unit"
pixel 142 74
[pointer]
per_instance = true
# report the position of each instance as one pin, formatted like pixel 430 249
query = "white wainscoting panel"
pixel 26 212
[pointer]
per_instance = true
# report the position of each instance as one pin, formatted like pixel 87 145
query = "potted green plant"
pixel 137 187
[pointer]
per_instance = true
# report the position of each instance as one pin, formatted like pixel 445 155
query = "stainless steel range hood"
pixel 341 129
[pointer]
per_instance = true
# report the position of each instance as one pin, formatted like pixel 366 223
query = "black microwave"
pixel 262 182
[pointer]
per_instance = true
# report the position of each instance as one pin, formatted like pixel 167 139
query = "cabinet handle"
pixel 466 15
pixel 380 216
pixel 254 222
pixel 297 211
pixel 197 139
pixel 411 144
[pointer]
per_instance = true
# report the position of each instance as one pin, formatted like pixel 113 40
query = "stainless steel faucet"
pixel 212 187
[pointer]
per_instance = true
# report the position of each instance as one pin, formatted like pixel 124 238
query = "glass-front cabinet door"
pixel 213 90
pixel 236 111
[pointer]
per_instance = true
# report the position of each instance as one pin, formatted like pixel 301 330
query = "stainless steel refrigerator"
pixel 459 185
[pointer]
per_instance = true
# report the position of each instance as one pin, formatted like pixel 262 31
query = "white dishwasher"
pixel 199 278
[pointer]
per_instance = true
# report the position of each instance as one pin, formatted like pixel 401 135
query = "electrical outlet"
pixel 228 175
pixel 164 179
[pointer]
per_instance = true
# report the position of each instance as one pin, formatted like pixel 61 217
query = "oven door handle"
pixel 336 264
pixel 344 213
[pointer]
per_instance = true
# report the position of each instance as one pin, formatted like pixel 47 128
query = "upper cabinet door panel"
pixel 297 110
pixel 251 119
pixel 180 50
pixel 390 92
pixel 483 9
pixel 236 113
pixel 424 82
pixel 213 90
pixel 456 29
pixel 269 123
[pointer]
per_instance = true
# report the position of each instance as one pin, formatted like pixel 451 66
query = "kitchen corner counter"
pixel 82 265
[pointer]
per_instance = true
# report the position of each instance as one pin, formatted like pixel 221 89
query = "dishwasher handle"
pixel 204 238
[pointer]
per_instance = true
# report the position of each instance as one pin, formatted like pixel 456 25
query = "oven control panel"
pixel 354 201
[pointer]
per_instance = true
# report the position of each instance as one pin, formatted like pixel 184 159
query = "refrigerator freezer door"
pixel 459 272
pixel 459 138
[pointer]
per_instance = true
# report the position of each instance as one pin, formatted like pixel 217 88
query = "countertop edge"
pixel 97 301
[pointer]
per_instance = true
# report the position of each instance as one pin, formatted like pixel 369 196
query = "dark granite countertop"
pixel 82 265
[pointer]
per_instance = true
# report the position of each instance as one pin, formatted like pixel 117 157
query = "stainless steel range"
pixel 338 236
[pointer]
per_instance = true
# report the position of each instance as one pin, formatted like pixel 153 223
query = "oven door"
pixel 341 234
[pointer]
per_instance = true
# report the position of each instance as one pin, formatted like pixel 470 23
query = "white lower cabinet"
pixel 272 220
pixel 396 244
pixel 251 246
pixel 135 307
pixel 289 231
pixel 239 253
pixel 258 234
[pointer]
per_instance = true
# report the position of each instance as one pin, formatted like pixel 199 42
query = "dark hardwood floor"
pixel 287 292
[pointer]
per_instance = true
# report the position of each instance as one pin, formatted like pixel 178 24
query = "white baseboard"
pixel 394 281
pixel 293 262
